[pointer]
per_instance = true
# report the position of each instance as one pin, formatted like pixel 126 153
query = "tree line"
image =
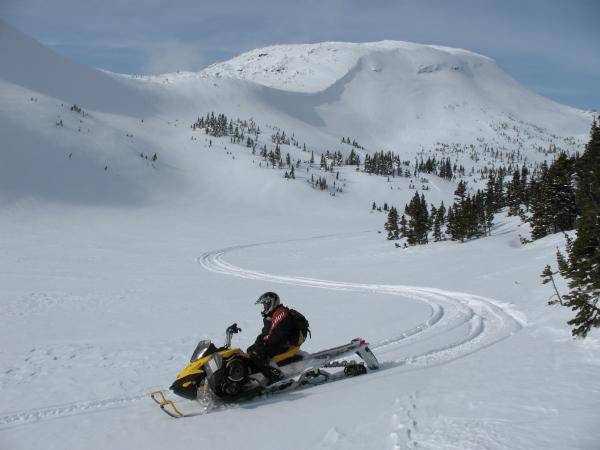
pixel 556 197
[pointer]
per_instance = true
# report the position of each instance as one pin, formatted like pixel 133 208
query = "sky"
pixel 551 46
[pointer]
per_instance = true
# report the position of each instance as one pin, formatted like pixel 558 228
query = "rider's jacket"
pixel 278 329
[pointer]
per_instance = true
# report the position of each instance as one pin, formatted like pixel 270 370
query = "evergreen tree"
pixel 451 226
pixel 461 192
pixel 524 180
pixel 499 189
pixel 404 227
pixel 438 221
pixel 432 215
pixel 277 153
pixel 418 224
pixel 490 194
pixel 391 225
pixel 457 227
pixel 581 265
pixel 553 203
pixel 272 158
pixel 514 196
pixel 352 159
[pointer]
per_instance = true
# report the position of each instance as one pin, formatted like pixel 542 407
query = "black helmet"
pixel 270 302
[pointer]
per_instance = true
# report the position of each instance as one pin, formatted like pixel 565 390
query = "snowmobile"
pixel 228 374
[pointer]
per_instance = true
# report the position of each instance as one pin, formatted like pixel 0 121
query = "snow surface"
pixel 113 266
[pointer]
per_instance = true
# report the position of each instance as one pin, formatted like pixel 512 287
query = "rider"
pixel 278 335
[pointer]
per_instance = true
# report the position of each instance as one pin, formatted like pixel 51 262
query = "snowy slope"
pixel 389 95
pixel 398 89
pixel 113 266
pixel 31 65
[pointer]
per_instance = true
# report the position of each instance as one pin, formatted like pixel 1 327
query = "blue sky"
pixel 550 46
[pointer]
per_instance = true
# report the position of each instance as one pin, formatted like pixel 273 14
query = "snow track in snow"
pixel 486 320
pixel 68 409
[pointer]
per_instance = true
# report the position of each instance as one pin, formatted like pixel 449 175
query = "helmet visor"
pixel 267 300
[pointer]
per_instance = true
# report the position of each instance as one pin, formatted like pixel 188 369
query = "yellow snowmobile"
pixel 230 375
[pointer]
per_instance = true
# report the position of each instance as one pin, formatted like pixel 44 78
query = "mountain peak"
pixel 314 67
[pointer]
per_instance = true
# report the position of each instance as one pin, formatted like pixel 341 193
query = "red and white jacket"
pixel 278 329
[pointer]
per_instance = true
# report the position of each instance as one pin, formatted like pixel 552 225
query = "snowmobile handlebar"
pixel 231 330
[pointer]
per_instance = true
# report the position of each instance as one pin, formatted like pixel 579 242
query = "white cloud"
pixel 172 55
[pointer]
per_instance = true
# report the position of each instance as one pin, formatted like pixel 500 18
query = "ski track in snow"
pixel 68 409
pixel 487 321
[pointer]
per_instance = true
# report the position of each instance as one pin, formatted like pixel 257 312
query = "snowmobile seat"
pixel 290 356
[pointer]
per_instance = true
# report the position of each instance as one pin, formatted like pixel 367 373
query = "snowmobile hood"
pixel 195 367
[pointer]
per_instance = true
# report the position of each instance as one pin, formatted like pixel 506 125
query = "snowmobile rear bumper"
pixel 358 346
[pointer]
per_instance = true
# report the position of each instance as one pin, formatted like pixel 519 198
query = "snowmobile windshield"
pixel 202 349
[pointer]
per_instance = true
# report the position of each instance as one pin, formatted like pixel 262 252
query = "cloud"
pixel 173 55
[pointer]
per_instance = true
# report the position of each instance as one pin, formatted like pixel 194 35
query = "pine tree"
pixel 458 226
pixel 404 227
pixel 391 225
pixel 277 153
pixel 553 203
pixel 418 224
pixel 460 192
pixel 514 195
pixel 438 222
pixel 452 226
pixel 581 265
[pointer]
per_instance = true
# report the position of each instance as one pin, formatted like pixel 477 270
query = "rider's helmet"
pixel 270 302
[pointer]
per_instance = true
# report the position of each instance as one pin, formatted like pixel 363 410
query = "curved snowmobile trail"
pixel 487 321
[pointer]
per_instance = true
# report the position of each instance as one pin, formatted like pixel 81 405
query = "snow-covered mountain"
pixel 114 262
pixel 404 93
pixel 387 95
